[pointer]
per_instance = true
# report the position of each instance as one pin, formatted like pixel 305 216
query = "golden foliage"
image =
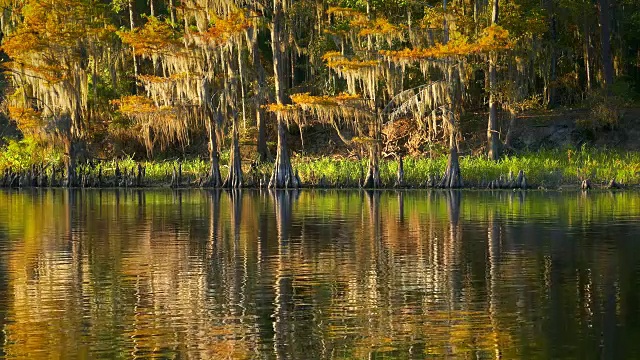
pixel 342 99
pixel 135 105
pixel 380 27
pixel 280 108
pixel 494 38
pixel 337 61
pixel 155 37
pixel 344 12
pixel 29 121
pixel 157 80
pixel 224 29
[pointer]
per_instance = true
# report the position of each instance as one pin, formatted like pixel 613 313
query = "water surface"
pixel 319 274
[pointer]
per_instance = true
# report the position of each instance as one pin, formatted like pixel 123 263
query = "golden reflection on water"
pixel 315 274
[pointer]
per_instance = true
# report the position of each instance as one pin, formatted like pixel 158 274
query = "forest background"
pixel 343 93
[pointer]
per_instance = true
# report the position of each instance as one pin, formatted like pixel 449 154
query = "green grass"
pixel 548 168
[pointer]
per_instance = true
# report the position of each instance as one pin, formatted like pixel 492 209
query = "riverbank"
pixel 549 169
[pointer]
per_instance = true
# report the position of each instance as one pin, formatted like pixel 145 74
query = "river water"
pixel 319 274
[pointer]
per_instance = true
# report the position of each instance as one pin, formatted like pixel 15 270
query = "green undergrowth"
pixel 548 168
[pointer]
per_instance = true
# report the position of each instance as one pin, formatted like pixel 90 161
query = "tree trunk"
pixel 152 8
pixel 492 128
pixel 214 180
pixel 372 180
pixel 587 51
pixel 553 57
pixel 452 178
pixel 133 50
pixel 234 178
pixel 261 115
pixel 70 162
pixel 605 41
pixel 172 12
pixel 283 175
pixel 242 92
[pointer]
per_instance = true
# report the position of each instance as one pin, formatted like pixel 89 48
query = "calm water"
pixel 311 275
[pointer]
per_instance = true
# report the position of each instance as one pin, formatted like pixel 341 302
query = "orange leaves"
pixel 224 29
pixel 327 101
pixel 134 104
pixel 280 108
pixel 363 27
pixel 345 12
pixel 337 61
pixel 155 37
pixel 29 121
pixel 140 106
pixel 380 27
pixel 494 38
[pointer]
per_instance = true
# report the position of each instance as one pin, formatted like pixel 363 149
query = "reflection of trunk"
pixel 214 179
pixel 236 203
pixel 234 178
pixel 283 175
pixel 401 207
pixel 451 254
pixel 284 280
pixel 605 42
pixel 610 320
pixel 492 128
pixel 214 215
pixel 493 245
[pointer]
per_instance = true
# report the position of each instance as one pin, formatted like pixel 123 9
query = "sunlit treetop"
pixel 52 35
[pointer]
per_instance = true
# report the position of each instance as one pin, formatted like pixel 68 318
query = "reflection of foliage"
pixel 379 280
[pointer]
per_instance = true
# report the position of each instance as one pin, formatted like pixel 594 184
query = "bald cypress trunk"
pixel 605 42
pixel 214 180
pixel 492 129
pixel 283 175
pixel 234 178
pixel 133 50
pixel 261 115
pixel 452 177
pixel 232 88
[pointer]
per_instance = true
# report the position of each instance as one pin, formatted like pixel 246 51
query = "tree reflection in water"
pixel 318 274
